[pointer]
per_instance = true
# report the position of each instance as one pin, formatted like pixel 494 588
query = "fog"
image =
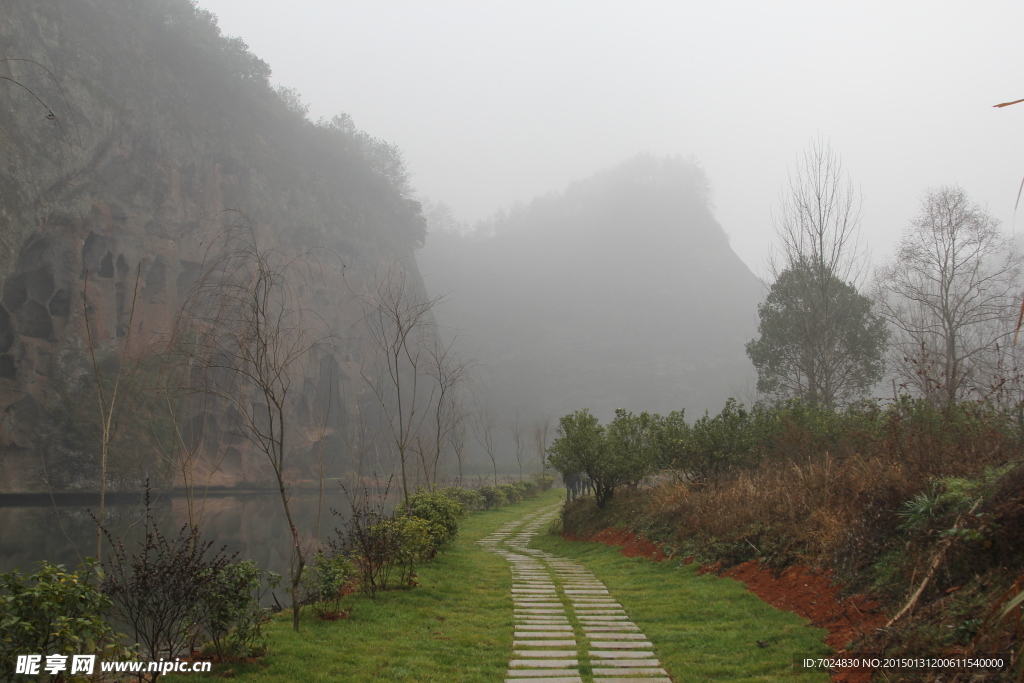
pixel 620 291
pixel 497 102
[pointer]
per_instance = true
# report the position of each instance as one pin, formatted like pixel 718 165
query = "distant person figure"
pixel 575 484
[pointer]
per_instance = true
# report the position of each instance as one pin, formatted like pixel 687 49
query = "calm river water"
pixel 251 524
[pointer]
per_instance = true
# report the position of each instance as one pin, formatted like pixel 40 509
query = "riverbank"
pixel 456 625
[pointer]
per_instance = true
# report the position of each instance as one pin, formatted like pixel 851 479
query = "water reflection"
pixel 252 524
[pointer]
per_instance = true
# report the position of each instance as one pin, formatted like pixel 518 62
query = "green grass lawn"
pixel 703 627
pixel 455 626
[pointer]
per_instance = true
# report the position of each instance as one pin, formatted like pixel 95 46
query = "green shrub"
pixel 232 616
pixel 438 508
pixel 324 581
pixel 385 548
pixel 528 487
pixel 511 492
pixel 418 545
pixel 54 611
pixel 494 497
pixel 544 481
pixel 471 500
pixel 372 542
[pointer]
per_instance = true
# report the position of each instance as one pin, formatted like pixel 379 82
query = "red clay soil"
pixel 798 589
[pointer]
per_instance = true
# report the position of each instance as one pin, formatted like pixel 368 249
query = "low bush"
pixel 386 549
pixel 324 582
pixel 418 545
pixel 527 488
pixel 231 615
pixel 494 497
pixel 512 493
pixel 159 593
pixel 471 499
pixel 55 612
pixel 371 540
pixel 544 481
pixel 443 511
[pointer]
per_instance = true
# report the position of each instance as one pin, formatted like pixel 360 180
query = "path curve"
pixel 565 617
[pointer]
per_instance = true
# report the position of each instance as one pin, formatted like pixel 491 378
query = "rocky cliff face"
pixel 131 132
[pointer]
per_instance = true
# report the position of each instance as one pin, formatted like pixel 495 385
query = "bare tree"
pixel 400 325
pixel 110 395
pixel 188 412
pixel 949 294
pixel 820 258
pixel 448 373
pixel 457 437
pixel 516 429
pixel 319 412
pixel 362 436
pixel 541 436
pixel 484 428
pixel 247 340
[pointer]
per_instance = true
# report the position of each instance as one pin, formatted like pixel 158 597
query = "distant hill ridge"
pixel 621 291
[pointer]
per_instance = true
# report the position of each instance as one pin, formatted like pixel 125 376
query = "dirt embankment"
pixel 799 589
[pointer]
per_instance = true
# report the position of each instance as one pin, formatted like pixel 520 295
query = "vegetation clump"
pixel 437 508
pixel 55 611
pixel 917 503
pixel 174 594
pixel 325 582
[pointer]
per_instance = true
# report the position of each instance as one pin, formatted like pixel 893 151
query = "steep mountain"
pixel 621 291
pixel 130 132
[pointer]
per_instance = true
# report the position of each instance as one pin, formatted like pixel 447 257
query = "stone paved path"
pixel 550 641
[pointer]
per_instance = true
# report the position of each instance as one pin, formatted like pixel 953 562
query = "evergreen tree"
pixel 824 349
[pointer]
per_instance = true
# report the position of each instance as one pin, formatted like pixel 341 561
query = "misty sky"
pixel 498 101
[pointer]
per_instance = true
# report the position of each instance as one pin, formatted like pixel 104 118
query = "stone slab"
pixel 543 634
pixel 544 627
pixel 610 628
pixel 546 653
pixel 595 605
pixel 593 612
pixel 631 671
pixel 617 636
pixel 549 679
pixel 543 663
pixel 616 654
pixel 629 663
pixel 612 645
pixel 543 643
pixel 533 610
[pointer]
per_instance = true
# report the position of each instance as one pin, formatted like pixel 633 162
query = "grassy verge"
pixel 704 627
pixel 456 626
